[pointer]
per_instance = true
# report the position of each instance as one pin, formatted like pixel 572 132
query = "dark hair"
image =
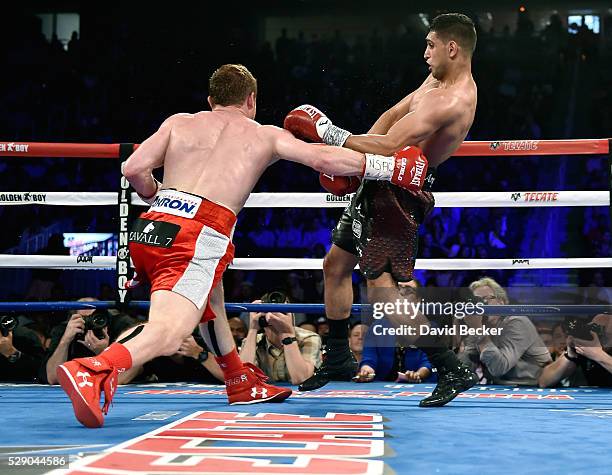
pixel 457 27
pixel 231 84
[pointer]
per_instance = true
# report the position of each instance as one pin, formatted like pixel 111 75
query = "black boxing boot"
pixel 339 365
pixel 454 377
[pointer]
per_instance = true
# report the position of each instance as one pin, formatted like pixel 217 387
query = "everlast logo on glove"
pixel 417 172
pixel 310 110
pixel 154 233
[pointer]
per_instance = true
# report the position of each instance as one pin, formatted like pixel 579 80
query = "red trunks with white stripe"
pixel 183 244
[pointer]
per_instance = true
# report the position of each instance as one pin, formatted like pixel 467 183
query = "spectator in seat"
pixel 21 352
pixel 356 336
pixel 516 354
pixel 384 359
pixel 238 329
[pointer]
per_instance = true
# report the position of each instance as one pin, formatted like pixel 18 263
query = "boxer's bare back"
pixel 221 154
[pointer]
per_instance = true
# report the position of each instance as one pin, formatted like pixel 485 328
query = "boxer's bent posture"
pixel 182 245
pixel 379 227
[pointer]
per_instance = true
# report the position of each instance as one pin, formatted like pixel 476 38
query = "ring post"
pixel 123 254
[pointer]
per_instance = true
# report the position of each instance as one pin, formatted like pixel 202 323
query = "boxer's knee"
pixel 338 264
pixel 382 289
pixel 384 280
pixel 329 267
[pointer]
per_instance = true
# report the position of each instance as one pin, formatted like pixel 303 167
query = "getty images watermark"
pixel 410 309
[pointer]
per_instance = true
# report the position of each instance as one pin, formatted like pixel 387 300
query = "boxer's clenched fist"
pixel 309 123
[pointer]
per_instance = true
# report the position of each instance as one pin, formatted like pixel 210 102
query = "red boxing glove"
pixel 309 123
pixel 407 168
pixel 339 185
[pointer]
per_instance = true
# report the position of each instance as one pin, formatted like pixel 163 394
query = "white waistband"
pixel 177 203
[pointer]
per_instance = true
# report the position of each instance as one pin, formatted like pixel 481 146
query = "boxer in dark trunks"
pixel 378 229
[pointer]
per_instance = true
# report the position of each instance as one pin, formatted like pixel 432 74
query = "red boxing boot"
pixel 248 386
pixel 83 380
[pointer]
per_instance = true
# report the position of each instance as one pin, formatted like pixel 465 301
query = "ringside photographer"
pixel 281 350
pixel 87 332
pixel 21 352
pixel 589 348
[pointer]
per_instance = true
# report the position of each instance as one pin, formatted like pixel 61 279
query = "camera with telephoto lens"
pixel 275 296
pixel 581 329
pixel 96 323
pixel 7 324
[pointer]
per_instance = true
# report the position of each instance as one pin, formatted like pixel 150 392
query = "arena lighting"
pixel 522 9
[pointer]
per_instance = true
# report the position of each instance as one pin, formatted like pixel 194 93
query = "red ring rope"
pixel 472 149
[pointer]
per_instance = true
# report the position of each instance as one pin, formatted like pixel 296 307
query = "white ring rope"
pixel 503 199
pixel 265 263
pixel 326 200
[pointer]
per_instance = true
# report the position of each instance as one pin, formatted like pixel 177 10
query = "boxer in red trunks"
pixel 183 244
pixel 212 160
pixel 378 229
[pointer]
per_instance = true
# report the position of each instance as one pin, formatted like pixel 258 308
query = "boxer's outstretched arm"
pixel 435 111
pixel 322 158
pixel 148 156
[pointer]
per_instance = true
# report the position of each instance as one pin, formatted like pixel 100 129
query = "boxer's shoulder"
pixel 272 132
pixel 176 119
pixel 184 116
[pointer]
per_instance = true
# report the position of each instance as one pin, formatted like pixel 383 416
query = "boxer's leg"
pixel 244 383
pixel 216 332
pixel 385 290
pixel 172 318
pixel 218 336
pixel 339 364
pixel 338 266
